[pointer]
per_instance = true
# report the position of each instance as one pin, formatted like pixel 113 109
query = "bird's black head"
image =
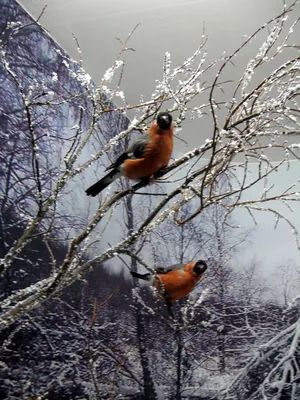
pixel 200 267
pixel 164 120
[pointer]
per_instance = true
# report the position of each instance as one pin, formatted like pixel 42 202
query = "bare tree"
pixel 250 118
pixel 272 372
pixel 288 285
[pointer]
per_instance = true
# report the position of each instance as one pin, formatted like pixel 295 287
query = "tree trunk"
pixel 149 389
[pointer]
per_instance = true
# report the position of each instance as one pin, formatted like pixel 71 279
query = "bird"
pixel 176 281
pixel 147 155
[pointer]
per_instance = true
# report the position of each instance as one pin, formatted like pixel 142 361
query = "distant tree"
pixel 288 282
pixel 63 351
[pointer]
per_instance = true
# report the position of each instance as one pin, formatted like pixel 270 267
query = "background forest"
pixel 73 323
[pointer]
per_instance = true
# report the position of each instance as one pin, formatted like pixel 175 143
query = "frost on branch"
pixel 60 131
pixel 70 127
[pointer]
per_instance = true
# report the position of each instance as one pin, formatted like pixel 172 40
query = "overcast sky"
pixel 175 26
pixel 165 25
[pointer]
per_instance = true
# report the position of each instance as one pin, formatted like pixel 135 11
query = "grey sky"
pixel 165 25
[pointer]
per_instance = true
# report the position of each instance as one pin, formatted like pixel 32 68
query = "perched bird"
pixel 176 281
pixel 147 155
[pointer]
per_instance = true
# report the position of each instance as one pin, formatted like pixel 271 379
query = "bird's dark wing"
pixel 137 148
pixel 165 270
pixel 134 151
pixel 118 162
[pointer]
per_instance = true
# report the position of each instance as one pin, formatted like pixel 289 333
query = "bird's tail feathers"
pixel 145 277
pixel 103 183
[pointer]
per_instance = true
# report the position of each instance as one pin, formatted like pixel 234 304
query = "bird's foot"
pixel 147 180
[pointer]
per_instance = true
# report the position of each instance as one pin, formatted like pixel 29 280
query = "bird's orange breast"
pixel 157 155
pixel 177 283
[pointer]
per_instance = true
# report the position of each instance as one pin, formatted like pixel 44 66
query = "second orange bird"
pixel 176 281
pixel 144 157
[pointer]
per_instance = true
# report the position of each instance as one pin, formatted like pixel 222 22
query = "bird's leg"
pixel 146 179
pixel 169 305
pixel 161 170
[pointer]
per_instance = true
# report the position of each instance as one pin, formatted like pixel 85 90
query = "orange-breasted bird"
pixel 176 281
pixel 147 155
